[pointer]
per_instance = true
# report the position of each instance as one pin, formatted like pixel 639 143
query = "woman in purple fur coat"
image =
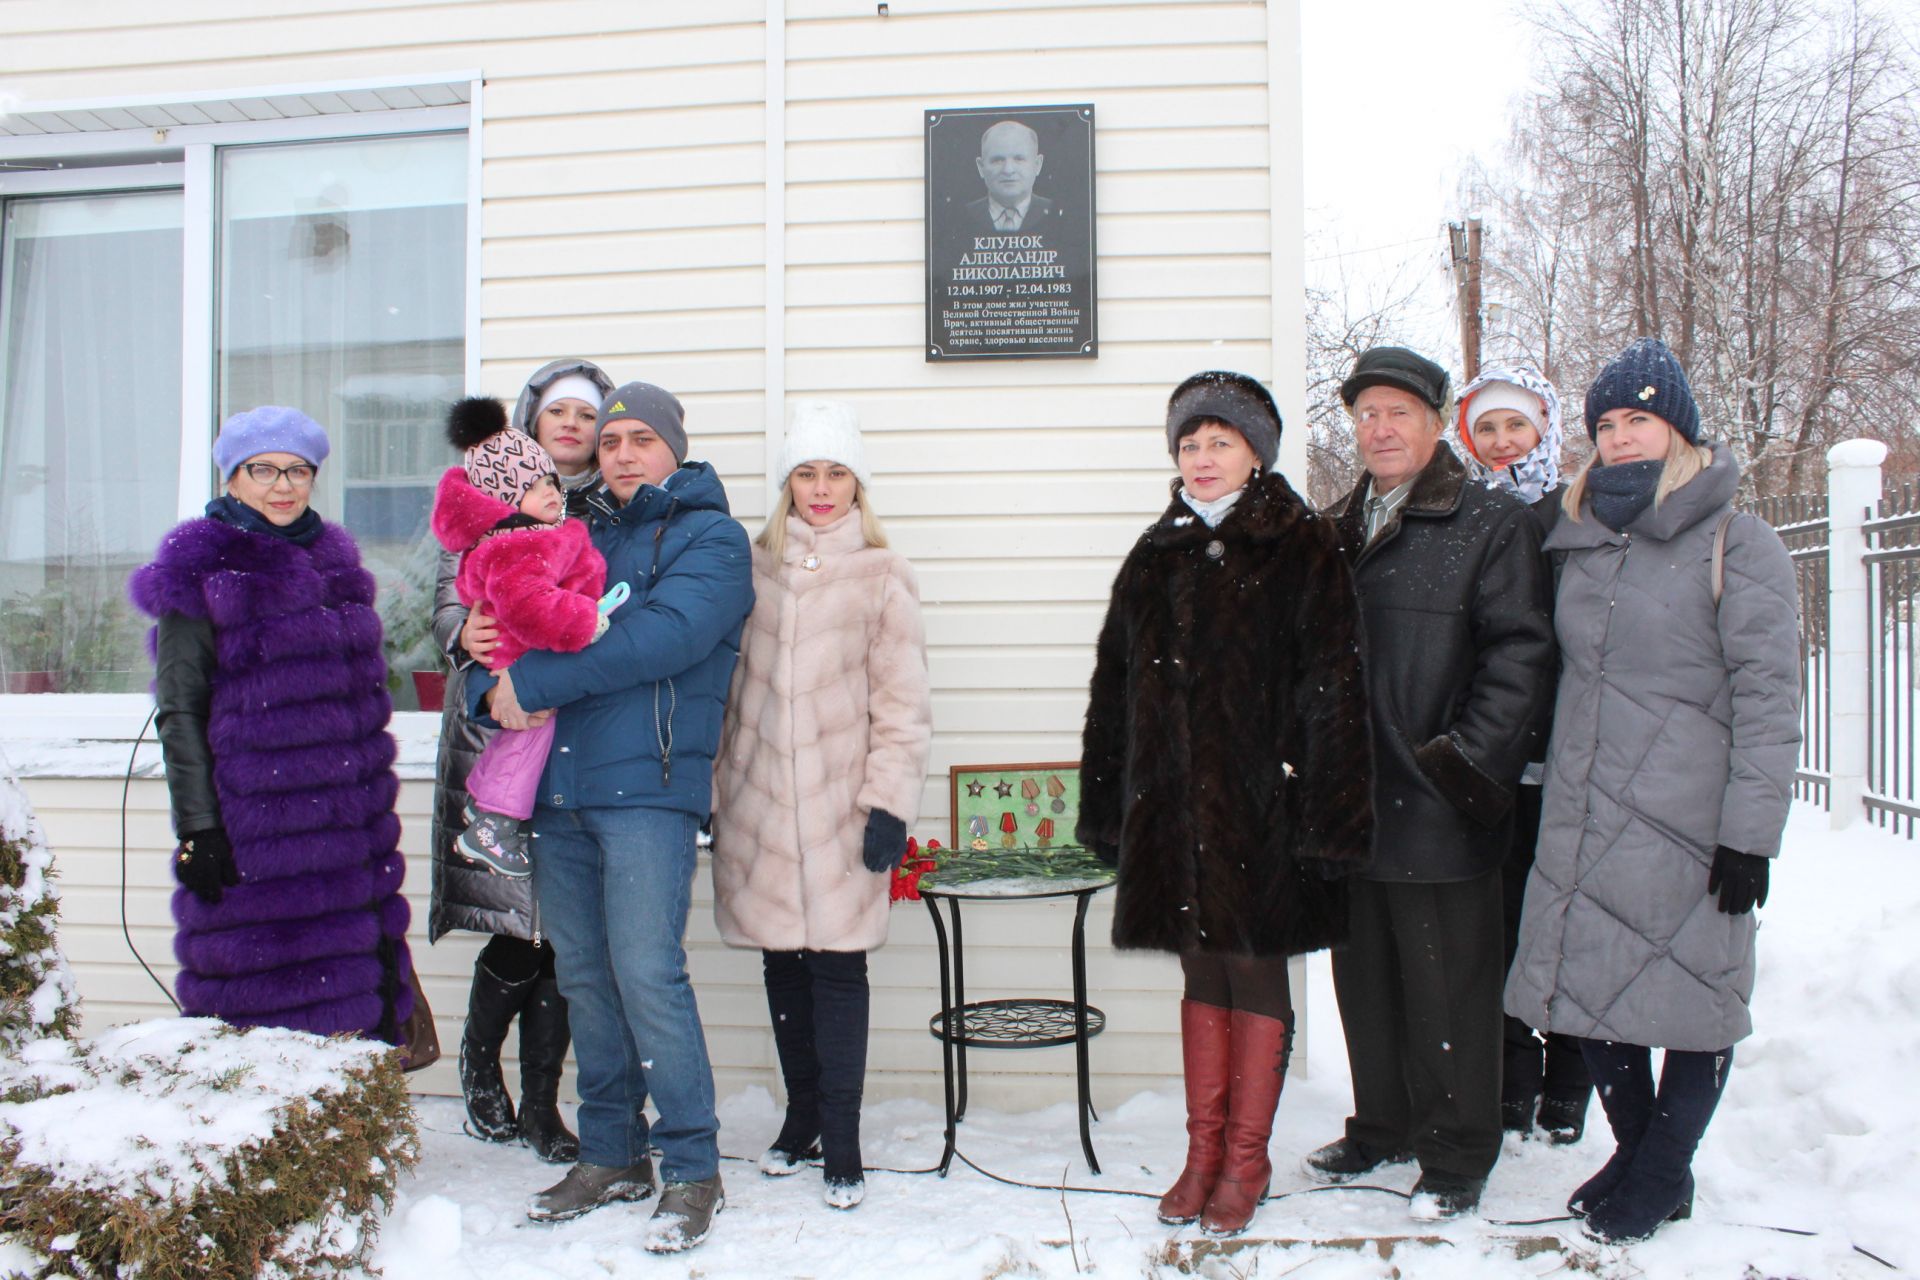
pixel 272 711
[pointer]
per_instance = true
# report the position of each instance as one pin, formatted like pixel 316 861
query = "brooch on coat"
pixel 810 562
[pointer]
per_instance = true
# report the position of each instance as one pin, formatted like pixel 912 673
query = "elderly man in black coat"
pixel 1455 599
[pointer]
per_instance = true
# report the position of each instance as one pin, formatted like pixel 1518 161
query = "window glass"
pixel 343 294
pixel 90 368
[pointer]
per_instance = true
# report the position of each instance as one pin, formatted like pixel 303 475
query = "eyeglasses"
pixel 299 475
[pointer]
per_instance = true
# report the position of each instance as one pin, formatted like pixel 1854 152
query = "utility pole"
pixel 1463 243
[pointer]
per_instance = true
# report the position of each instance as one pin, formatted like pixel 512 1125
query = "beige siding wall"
pixel 623 219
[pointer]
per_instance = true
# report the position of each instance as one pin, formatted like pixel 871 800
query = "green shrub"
pixel 184 1147
pixel 37 995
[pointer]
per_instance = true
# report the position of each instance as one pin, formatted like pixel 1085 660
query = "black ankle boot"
pixel 1566 1089
pixel 1519 1076
pixel 1564 1118
pixel 491 1006
pixel 543 1053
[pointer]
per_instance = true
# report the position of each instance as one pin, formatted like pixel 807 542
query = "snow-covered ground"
pixel 1819 1132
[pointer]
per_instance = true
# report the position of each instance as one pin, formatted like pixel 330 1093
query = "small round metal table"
pixel 1021 1023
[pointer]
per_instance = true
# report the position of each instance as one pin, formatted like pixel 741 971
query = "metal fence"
pixel 1801 521
pixel 1893 588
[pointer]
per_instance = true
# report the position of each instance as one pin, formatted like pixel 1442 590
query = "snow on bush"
pixel 188 1147
pixel 37 996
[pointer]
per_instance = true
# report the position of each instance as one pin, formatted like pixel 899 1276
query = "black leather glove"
pixel 885 842
pixel 1740 879
pixel 1107 853
pixel 204 863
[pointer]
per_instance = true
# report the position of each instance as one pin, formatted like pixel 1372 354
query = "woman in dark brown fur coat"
pixel 1227 769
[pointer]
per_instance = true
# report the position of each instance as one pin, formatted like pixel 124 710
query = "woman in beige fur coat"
pixel 820 772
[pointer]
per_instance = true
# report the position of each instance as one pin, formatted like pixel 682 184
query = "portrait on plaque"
pixel 1010 233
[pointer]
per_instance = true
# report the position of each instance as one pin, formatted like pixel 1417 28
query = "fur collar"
pixel 462 514
pixel 1266 512
pixel 843 537
pixel 1436 490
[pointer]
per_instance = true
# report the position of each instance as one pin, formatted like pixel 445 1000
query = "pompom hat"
pixel 271 428
pixel 1645 376
pixel 499 462
pixel 825 431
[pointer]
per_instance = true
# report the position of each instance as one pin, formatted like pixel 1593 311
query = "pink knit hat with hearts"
pixel 500 463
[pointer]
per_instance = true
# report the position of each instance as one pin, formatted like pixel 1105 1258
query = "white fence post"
pixel 1853 487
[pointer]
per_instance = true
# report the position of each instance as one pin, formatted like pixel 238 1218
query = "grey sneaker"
pixel 588 1186
pixel 684 1215
pixel 498 843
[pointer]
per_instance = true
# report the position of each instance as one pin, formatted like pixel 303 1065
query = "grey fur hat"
pixel 1233 398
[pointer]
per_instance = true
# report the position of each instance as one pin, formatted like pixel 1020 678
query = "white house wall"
pixel 624 205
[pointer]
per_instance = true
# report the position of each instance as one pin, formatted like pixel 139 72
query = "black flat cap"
pixel 1396 367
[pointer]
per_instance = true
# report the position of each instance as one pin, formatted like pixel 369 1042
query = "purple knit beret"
pixel 268 429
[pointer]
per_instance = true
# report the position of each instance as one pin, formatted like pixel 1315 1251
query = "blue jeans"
pixel 614 887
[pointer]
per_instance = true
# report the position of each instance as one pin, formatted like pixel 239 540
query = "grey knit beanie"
pixel 655 406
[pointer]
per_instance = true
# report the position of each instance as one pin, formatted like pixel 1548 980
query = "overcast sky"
pixel 1399 94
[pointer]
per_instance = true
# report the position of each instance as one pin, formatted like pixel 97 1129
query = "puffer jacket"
pixel 830 719
pixel 467 895
pixel 1225 762
pixel 640 710
pixel 1676 730
pixel 1455 596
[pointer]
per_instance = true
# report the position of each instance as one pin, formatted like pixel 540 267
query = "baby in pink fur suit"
pixel 538 576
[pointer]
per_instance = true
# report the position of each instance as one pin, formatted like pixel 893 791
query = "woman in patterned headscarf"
pixel 1509 426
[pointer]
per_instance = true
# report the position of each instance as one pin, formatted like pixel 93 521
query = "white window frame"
pixel 63 734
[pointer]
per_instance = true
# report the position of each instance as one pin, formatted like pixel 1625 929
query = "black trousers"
pixel 1531 1067
pixel 1419 985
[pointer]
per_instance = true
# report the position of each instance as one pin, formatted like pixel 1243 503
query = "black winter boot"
pixel 840 1001
pixel 543 1054
pixel 1623 1073
pixel 1519 1076
pixel 1567 1088
pixel 790 1003
pixel 491 1005
pixel 1659 1186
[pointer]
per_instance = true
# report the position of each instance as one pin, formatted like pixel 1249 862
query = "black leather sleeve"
pixel 449 615
pixel 183 692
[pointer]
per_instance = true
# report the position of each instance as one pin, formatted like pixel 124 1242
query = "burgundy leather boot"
pixel 1259 1056
pixel 1205 1033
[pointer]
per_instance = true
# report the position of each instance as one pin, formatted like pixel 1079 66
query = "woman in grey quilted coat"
pixel 513 975
pixel 1675 736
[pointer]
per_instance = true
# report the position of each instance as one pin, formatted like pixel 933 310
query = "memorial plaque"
pixel 1010 245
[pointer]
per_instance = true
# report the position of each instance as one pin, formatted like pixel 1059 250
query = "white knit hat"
pixel 1506 395
pixel 574 386
pixel 824 431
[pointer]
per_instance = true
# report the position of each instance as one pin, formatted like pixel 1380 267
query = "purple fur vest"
pixel 314 935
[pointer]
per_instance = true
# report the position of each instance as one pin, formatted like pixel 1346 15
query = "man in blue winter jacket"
pixel 626 787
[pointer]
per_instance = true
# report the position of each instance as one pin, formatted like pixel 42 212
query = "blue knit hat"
pixel 268 429
pixel 1645 376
